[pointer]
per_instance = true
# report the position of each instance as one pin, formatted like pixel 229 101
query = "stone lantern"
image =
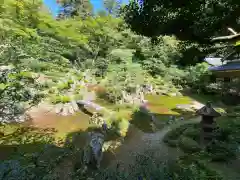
pixel 207 123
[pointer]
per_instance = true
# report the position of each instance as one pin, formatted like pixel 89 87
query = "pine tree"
pixel 71 8
pixel 112 6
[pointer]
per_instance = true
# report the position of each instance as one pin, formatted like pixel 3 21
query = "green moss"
pixel 65 99
pixel 63 86
pixel 55 74
pixel 165 104
pixel 79 78
pixel 77 97
pixel 26 74
pixel 60 99
pixel 21 139
pixel 70 81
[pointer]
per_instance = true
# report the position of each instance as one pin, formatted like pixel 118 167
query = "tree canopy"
pixel 188 20
pixel 80 8
pixel 112 6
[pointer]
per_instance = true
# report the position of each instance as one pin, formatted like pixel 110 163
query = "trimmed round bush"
pixel 172 142
pixel 174 134
pixel 192 133
pixel 120 126
pixel 188 145
pixel 112 95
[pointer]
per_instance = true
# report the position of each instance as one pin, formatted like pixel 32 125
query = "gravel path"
pixel 141 142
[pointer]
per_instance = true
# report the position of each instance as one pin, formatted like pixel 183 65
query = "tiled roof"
pixel 208 111
pixel 213 61
pixel 226 67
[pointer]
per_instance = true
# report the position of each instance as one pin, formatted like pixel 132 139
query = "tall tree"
pixel 80 8
pixel 102 13
pixel 188 20
pixel 112 6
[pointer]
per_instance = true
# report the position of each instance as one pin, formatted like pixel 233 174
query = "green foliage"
pixel 17 87
pixel 224 147
pixel 63 86
pixel 119 125
pixel 111 94
pixel 190 167
pixel 77 97
pixel 61 51
pixel 185 20
pixel 198 76
pixel 188 145
pixel 79 8
pixel 112 6
pixel 149 167
pixel 60 99
pixel 175 133
pixel 33 155
pixel 192 133
pixel 25 135
pixel 222 151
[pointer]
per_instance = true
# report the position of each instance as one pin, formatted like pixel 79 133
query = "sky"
pixel 52 4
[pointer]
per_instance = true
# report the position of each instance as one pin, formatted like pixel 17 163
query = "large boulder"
pixel 93 151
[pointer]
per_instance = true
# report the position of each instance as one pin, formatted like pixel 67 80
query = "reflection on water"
pixel 77 124
pixel 63 124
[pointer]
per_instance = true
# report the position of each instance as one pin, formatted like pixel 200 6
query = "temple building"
pixel 227 67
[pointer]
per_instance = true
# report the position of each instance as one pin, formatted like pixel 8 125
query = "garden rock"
pixel 93 150
pixel 89 104
pixel 75 106
pixel 59 108
pixel 71 110
pixel 65 110
pixel 172 94
pixel 185 107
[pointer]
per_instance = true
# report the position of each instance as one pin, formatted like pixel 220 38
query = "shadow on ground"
pixel 216 99
pixel 143 121
pixel 37 147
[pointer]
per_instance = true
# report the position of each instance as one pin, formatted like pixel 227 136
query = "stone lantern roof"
pixel 208 110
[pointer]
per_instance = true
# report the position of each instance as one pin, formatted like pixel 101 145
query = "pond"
pixel 67 126
pixel 63 124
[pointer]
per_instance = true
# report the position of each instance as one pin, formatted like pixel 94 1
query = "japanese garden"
pixel 138 89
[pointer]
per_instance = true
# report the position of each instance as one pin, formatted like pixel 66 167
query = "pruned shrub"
pixel 120 126
pixel 221 151
pixel 191 168
pixel 172 142
pixel 37 66
pixel 111 94
pixel 63 86
pixel 192 133
pixel 60 99
pixel 174 134
pixel 188 145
